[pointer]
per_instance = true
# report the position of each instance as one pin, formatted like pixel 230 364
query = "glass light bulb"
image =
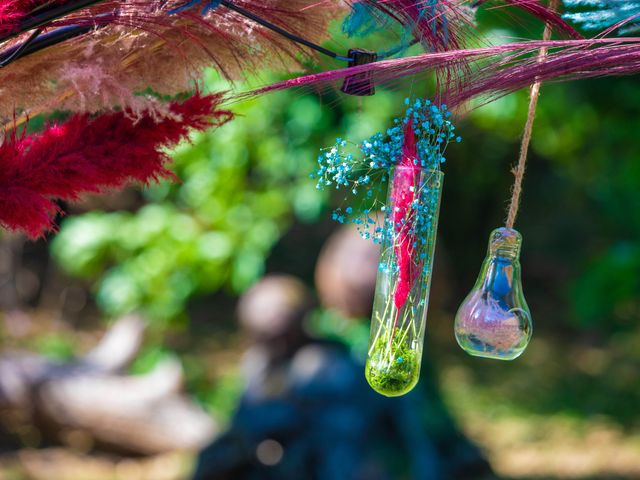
pixel 494 320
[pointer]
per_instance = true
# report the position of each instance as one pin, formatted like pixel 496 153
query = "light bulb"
pixel 494 320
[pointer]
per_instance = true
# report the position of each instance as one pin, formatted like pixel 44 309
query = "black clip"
pixel 360 84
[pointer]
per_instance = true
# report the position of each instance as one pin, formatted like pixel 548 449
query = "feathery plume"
pixel 91 155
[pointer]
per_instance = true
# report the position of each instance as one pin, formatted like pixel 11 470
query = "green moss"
pixel 392 371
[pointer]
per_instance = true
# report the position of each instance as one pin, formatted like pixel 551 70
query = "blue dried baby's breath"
pixel 365 173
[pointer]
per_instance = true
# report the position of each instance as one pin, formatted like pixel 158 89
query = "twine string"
pixel 519 170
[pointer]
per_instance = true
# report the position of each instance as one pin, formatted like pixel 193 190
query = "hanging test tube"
pixel 403 281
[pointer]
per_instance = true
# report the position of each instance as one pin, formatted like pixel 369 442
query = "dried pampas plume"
pixel 143 47
pixel 87 154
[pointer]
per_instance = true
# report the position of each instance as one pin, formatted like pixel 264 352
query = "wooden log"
pixel 142 414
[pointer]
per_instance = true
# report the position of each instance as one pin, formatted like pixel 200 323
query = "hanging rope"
pixel 520 169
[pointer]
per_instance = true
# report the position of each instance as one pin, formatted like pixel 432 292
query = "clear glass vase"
pixel 403 282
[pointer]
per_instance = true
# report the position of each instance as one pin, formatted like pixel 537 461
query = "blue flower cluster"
pixel 602 14
pixel 364 175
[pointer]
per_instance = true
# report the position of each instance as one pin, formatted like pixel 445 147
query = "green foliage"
pixel 55 346
pixel 240 188
pixel 149 358
pixel 609 289
pixel 223 394
pixel 332 325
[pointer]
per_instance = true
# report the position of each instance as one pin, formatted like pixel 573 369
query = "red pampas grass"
pixel 404 195
pixel 12 12
pixel 91 155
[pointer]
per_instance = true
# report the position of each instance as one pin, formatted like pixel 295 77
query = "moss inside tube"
pixel 393 367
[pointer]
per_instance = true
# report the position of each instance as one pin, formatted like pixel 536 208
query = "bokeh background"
pixel 178 255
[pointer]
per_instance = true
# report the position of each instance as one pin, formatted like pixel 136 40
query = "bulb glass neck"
pixel 505 243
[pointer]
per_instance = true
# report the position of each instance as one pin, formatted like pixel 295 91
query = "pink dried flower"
pixel 403 196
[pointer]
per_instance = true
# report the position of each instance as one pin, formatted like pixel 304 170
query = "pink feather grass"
pixel 494 71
